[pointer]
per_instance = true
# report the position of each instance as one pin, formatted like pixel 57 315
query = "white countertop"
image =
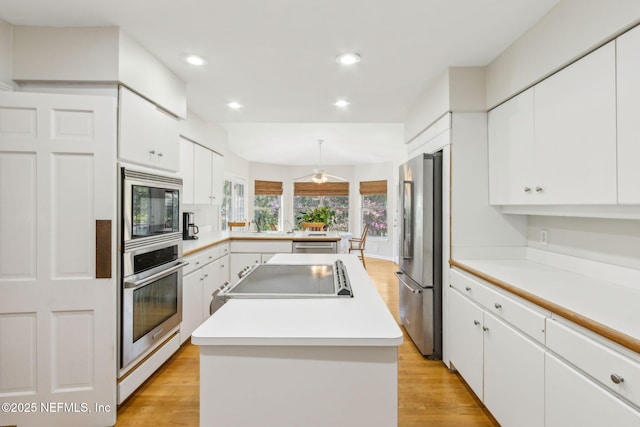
pixel 363 320
pixel 610 299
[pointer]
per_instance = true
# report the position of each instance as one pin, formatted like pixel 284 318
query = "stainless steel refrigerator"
pixel 420 255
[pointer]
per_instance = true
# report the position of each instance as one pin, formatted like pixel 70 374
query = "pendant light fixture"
pixel 319 175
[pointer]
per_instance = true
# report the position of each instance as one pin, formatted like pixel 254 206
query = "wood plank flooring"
pixel 429 395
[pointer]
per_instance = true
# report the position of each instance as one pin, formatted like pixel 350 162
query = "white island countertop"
pixel 363 320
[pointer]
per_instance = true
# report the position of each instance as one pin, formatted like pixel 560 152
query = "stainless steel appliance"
pixel 420 258
pixel 287 281
pixel 314 247
pixel 190 228
pixel 151 297
pixel 150 208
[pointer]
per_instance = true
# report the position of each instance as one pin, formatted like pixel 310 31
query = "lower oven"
pixel 151 297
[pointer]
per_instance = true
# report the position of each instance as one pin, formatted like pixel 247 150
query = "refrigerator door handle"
pixel 413 290
pixel 406 232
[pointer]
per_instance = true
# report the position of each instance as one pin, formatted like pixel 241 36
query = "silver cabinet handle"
pixel 538 189
pixel 498 306
pixel 527 189
pixel 468 289
pixel 617 379
pixel 484 328
pixel 152 152
pixel 159 154
pixel 475 322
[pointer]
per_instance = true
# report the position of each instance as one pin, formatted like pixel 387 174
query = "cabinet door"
pixel 186 170
pixel 465 340
pixel 513 375
pixel 511 152
pixel 202 168
pixel 628 97
pixel 217 178
pixel 224 270
pixel 136 119
pixel 241 261
pixel 166 138
pixel 210 282
pixel 571 399
pixel 191 304
pixel 575 132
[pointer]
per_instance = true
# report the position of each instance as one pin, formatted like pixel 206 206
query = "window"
pixel 233 202
pixel 267 204
pixel 374 207
pixel 335 195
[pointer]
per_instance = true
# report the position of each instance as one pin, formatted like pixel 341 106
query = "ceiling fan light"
pixel 348 58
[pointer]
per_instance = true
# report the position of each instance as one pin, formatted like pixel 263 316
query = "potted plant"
pixel 322 214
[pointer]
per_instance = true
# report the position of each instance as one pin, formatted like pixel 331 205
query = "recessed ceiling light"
pixel 196 60
pixel 234 105
pixel 348 58
pixel 342 103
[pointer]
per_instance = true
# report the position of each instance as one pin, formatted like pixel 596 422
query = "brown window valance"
pixel 268 188
pixel 373 187
pixel 324 189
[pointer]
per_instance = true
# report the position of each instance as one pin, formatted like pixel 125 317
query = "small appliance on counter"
pixel 189 228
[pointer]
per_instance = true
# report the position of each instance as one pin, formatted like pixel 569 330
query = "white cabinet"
pixel 572 399
pixel 148 135
pixel 556 143
pixel 511 153
pixel 206 272
pixel 513 375
pixel 502 365
pixel 628 98
pixel 202 172
pixel 246 253
pixel 186 170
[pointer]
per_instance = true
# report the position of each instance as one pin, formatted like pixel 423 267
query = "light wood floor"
pixel 429 395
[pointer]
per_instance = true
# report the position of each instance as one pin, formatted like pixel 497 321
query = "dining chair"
pixel 312 226
pixel 358 244
pixel 237 224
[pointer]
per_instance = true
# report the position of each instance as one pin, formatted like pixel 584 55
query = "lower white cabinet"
pixel 207 271
pixel 572 399
pixel 503 367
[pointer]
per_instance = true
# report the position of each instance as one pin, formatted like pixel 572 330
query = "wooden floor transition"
pixel 429 395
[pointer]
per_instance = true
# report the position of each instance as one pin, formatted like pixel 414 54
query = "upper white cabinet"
pixel 628 68
pixel 511 151
pixel 556 143
pixel 148 135
pixel 202 174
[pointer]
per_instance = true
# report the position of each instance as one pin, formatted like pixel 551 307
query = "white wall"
pixel 6 36
pixel 565 33
pixel 429 105
pixel 614 241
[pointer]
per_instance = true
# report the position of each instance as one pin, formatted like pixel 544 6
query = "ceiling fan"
pixel 319 175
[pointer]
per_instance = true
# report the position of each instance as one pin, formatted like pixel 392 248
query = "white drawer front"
pixel 224 249
pixel 597 360
pixel 520 314
pixel 195 261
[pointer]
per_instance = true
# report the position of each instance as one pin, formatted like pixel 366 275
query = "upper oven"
pixel 150 208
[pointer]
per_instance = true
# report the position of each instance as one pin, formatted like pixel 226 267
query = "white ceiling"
pixel 277 58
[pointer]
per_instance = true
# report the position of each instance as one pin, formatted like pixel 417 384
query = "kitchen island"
pixel 292 362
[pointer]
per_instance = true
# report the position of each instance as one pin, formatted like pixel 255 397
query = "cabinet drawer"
pixel 596 359
pixel 522 315
pixel 224 249
pixel 195 261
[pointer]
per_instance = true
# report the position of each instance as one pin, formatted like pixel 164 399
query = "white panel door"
pixel 511 152
pixel 202 167
pixel 191 304
pixel 513 375
pixel 57 212
pixel 573 400
pixel 628 97
pixel 466 340
pixel 575 132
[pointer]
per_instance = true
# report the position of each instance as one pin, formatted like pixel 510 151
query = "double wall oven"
pixel 151 263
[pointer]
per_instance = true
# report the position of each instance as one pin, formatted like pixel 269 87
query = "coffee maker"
pixel 189 228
